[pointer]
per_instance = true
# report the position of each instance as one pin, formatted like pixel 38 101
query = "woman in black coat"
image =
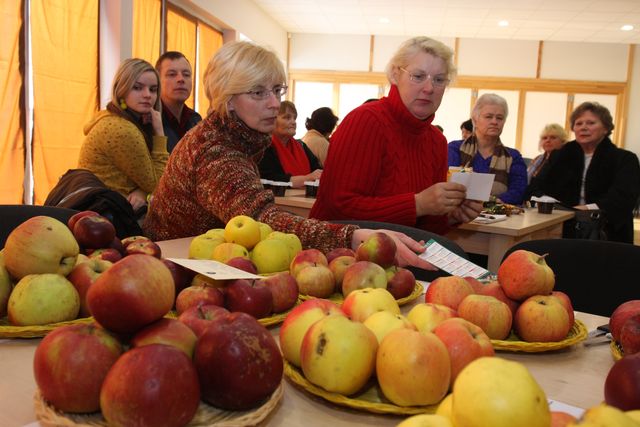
pixel 592 173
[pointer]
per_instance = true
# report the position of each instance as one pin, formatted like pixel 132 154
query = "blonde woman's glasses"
pixel 438 81
pixel 264 93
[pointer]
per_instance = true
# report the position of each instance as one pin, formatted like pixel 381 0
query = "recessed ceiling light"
pixel 627 27
pixel 503 23
pixel 384 20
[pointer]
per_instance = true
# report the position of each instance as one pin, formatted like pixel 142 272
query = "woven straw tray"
pixel 616 350
pixel 206 415
pixel 9 331
pixel 370 399
pixel 338 298
pixel 577 334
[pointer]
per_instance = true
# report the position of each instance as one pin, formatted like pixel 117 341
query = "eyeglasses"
pixel 264 93
pixel 437 81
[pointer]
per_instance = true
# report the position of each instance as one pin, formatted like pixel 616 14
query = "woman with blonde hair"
pixel 125 146
pixel 212 174
pixel 552 137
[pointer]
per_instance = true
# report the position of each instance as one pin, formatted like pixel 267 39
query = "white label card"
pixel 214 269
pixel 453 264
pixel 478 184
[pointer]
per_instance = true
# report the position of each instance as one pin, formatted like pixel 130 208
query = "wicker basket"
pixel 616 350
pixel 338 298
pixel 206 415
pixel 370 399
pixel 577 334
pixel 36 331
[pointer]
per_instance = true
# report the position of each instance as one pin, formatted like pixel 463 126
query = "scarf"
pixel 292 156
pixel 500 162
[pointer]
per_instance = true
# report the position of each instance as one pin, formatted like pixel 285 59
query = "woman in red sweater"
pixel 387 162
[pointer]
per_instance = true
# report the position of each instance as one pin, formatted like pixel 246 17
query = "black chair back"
pixel 597 275
pixel 13 215
pixel 416 234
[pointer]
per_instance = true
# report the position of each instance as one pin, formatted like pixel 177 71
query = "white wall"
pixel 499 58
pixel 632 136
pixel 330 52
pixel 584 61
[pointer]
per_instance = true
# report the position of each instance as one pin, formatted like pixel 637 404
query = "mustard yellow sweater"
pixel 115 151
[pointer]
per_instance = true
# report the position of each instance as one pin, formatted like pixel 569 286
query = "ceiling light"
pixel 627 27
pixel 384 20
pixel 503 23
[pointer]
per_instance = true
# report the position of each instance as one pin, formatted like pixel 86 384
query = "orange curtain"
pixel 210 42
pixel 11 86
pixel 65 89
pixel 181 37
pixel 146 30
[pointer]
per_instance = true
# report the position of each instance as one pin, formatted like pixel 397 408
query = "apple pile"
pixel 624 325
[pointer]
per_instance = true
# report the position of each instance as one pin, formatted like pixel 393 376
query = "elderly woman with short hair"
pixel 484 152
pixel 552 137
pixel 212 175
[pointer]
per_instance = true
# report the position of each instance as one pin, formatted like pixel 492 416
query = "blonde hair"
pixel 415 45
pixel 554 129
pixel 127 75
pixel 238 67
pixel 488 99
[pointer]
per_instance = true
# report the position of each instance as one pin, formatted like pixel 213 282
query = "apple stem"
pixel 542 257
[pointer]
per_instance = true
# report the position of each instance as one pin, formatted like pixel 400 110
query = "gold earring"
pixel 123 104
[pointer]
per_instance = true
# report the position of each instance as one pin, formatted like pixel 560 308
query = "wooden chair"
pixel 597 275
pixel 416 234
pixel 14 215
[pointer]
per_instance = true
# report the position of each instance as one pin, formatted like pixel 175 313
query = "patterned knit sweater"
pixel 379 158
pixel 115 151
pixel 212 176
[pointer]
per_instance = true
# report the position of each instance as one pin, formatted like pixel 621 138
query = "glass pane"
pixel 454 109
pixel 353 95
pixel 541 109
pixel 310 96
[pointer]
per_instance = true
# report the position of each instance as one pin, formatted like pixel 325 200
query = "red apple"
pixel 475 284
pixel 338 252
pixel 562 419
pixel 133 293
pixel 182 276
pixel 243 295
pixel 400 282
pixel 427 316
pixel 116 244
pixel 198 318
pixel 284 290
pixel 566 302
pixel 465 341
pixel 338 267
pixel 492 315
pixel 542 318
pixel 94 231
pixel 70 365
pixel 243 264
pixel 523 274
pixel 83 276
pixel 198 295
pixel 144 248
pixel 363 274
pixel 620 315
pixel 238 362
pixel 316 281
pixel 494 289
pixel 378 248
pixel 630 335
pixel 107 254
pixel 74 218
pixel 134 239
pixel 153 385
pixel 306 258
pixel 167 331
pixel 448 290
pixel 622 386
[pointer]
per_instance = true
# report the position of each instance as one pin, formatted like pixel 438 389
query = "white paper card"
pixel 453 264
pixel 478 184
pixel 554 405
pixel 214 269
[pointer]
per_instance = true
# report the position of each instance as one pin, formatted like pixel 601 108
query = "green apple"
pixel 202 246
pixel 215 232
pixel 39 299
pixel 271 256
pixel 243 230
pixel 292 241
pixel 40 245
pixel 5 286
pixel 265 230
pixel 225 251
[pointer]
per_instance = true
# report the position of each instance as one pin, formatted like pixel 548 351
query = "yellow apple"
pixel 635 415
pixel 383 322
pixel 491 391
pixel 39 299
pixel 413 368
pixel 202 246
pixel 225 251
pixel 40 245
pixel 604 415
pixel 271 256
pixel 426 420
pixel 362 303
pixel 243 230
pixel 427 316
pixel 6 285
pixel 215 232
pixel 292 241
pixel 445 407
pixel 265 230
pixel 338 354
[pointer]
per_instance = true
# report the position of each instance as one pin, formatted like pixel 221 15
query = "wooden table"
pixel 295 202
pixel 495 239
pixel 574 376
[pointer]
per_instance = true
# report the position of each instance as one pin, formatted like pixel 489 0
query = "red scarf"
pixel 292 156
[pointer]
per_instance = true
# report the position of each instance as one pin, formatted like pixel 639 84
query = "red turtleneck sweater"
pixel 379 158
